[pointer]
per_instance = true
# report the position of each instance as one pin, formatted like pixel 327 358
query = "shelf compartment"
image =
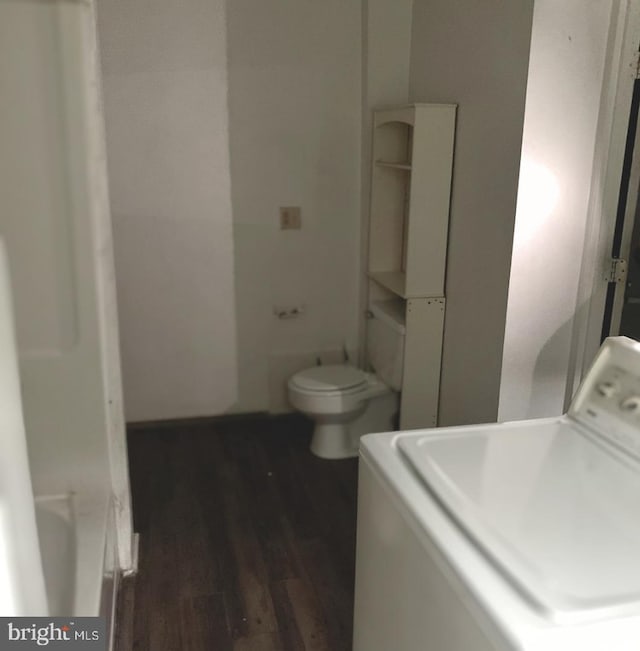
pixel 394 281
pixel 409 209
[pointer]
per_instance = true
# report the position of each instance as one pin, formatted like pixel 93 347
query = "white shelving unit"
pixel 408 226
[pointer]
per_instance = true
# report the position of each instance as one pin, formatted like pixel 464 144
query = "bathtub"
pixel 77 547
pixel 57 552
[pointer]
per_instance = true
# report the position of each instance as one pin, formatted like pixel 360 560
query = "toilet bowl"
pixel 336 397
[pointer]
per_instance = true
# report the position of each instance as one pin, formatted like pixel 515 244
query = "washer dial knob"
pixel 631 404
pixel 608 388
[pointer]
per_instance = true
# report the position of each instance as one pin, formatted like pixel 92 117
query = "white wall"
pixel 476 55
pixel 568 50
pixel 165 88
pixel 294 98
pixel 386 53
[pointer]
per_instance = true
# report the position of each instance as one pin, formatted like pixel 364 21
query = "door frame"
pixel 126 539
pixel 611 142
pixel 625 221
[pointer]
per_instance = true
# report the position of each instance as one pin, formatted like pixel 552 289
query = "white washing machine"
pixel 521 535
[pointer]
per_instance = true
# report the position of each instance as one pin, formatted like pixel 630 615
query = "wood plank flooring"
pixel 247 541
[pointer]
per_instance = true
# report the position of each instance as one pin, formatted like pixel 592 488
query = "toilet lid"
pixel 329 378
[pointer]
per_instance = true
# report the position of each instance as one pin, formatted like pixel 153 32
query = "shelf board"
pixel 394 281
pixel 395 166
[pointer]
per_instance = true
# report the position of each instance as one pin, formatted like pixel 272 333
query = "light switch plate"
pixel 290 218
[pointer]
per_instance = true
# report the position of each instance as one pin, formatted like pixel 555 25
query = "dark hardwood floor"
pixel 247 541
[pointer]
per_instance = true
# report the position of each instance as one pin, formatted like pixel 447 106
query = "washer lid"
pixel 338 377
pixel 555 510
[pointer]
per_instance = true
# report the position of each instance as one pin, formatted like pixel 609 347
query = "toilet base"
pixel 332 441
pixel 341 440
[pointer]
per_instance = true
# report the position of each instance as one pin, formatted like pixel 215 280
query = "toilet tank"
pixel 385 341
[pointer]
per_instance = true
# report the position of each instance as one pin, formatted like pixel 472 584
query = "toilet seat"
pixel 337 378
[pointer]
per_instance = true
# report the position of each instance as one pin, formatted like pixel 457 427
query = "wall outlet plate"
pixel 290 218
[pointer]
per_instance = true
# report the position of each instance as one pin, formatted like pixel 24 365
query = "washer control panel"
pixel 608 400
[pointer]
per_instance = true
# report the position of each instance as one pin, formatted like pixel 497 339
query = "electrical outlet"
pixel 290 218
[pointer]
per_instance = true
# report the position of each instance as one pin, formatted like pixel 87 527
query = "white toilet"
pixel 347 403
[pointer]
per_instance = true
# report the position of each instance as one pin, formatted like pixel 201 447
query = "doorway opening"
pixel 622 306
